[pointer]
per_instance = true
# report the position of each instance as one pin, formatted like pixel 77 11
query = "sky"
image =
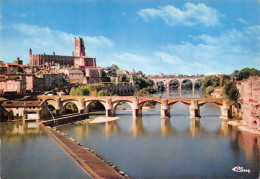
pixel 152 36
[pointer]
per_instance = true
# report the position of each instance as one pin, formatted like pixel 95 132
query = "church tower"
pixel 79 47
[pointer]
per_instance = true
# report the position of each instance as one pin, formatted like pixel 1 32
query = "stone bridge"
pixel 166 81
pixel 136 103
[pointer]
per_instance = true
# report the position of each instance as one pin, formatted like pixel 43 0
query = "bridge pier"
pixel 194 109
pixel 110 111
pixel 60 110
pixel 225 111
pixel 165 113
pixel 165 110
pixel 82 106
pixel 137 113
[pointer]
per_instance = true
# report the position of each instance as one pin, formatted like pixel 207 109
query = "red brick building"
pixel 87 64
pixel 13 83
pixel 34 84
pixel 78 58
pixel 249 90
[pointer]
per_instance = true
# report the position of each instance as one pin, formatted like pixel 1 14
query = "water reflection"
pixel 15 132
pixel 110 127
pixel 81 131
pixel 28 152
pixel 249 142
pixel 214 151
pixel 166 127
pixel 225 129
pixel 137 127
pixel 195 128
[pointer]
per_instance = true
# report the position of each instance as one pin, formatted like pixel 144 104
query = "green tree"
pixel 90 90
pixel 142 92
pixel 247 72
pixel 231 91
pixel 112 70
pixel 209 90
pixel 210 81
pixel 71 108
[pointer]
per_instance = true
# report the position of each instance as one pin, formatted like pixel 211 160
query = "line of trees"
pixel 90 90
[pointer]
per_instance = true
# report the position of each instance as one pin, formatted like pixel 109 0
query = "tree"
pixel 90 90
pixel 209 90
pixel 142 92
pixel 246 73
pixel 210 81
pixel 231 91
pixel 112 70
pixel 71 108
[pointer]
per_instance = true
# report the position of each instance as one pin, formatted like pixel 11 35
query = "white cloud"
pixel 242 20
pixel 191 14
pixel 45 40
pixel 127 61
pixel 128 57
pixel 231 50
pixel 171 59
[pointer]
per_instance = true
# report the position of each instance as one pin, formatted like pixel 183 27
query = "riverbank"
pixel 92 164
pixel 240 126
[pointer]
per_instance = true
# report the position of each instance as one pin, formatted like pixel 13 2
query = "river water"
pixel 27 152
pixel 147 147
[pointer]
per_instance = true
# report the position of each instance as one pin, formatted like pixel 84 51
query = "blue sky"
pixel 187 37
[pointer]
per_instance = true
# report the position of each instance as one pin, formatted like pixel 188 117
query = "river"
pixel 147 147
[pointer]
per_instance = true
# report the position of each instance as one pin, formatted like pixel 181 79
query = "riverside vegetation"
pixel 226 84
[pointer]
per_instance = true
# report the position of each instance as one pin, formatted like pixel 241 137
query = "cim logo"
pixel 240 169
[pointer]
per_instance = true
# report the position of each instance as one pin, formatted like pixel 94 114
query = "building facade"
pixel 26 109
pixel 13 84
pixel 78 58
pixel 249 90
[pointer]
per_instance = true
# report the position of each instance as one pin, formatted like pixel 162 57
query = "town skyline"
pixel 154 37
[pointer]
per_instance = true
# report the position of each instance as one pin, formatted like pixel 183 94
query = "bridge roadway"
pixel 136 103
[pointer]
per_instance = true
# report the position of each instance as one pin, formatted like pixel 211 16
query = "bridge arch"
pixel 51 102
pixel 186 83
pixel 211 114
pixel 172 104
pixel 129 104
pixel 210 106
pixel 119 102
pixel 174 84
pixel 197 81
pixel 70 107
pixel 99 103
pixel 142 104
pixel 64 103
pixel 213 102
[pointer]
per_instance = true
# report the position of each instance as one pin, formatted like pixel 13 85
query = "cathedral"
pixel 78 59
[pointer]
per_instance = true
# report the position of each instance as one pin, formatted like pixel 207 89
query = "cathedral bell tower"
pixel 79 47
